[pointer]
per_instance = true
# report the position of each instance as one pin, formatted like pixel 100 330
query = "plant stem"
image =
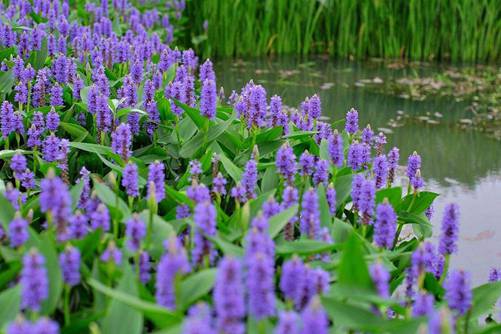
pixel 66 306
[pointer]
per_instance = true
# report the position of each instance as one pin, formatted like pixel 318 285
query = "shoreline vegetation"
pixel 135 197
pixel 457 30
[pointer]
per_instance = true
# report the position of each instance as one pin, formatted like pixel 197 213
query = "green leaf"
pixel 77 132
pixel 394 196
pixel 6 82
pixel 196 286
pixel 270 179
pixel 417 204
pixel 231 168
pixel 108 197
pixel 92 148
pixel 7 212
pixel 484 298
pixel 37 58
pixel 161 231
pixel 304 247
pixel 325 215
pixel 161 316
pixel 192 146
pixel 218 129
pixel 278 221
pixel 228 248
pixel 352 267
pixel 121 317
pixel 324 150
pixel 342 184
pixel 10 300
pixel 194 114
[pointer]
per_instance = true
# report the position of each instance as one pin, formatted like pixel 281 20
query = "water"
pixel 463 166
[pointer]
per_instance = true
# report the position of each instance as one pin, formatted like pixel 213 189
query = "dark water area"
pixel 463 166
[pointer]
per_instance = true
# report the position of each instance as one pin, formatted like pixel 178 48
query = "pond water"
pixel 463 166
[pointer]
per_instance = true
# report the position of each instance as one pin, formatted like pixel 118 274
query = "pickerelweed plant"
pixel 136 198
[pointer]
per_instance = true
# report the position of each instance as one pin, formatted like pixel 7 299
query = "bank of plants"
pixel 137 198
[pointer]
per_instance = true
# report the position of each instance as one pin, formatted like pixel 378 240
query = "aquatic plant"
pixel 133 198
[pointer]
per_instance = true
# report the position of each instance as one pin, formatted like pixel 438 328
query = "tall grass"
pixel 457 30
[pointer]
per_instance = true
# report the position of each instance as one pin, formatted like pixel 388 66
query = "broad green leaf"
pixel 278 221
pixel 324 150
pixel 196 286
pixel 484 298
pixel 231 168
pixel 7 212
pixel 270 179
pixel 417 203
pixel 352 267
pixel 200 121
pixel 10 300
pixel 92 148
pixel 108 197
pixel 325 215
pixel 161 316
pixel 192 146
pixel 228 248
pixel 77 132
pixel 161 231
pixel 304 247
pixel 122 317
pixel 219 128
pixel 6 82
pixel 394 195
pixel 342 185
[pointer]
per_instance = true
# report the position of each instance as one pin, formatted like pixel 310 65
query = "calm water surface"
pixel 463 166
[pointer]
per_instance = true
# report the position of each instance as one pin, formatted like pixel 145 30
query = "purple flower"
pixel 52 120
pixel 271 207
pixel 367 135
pixel 288 323
pixel 229 297
pixel 249 178
pixel 174 262
pixel 381 277
pixel 20 326
pixel 135 231
pixel 423 305
pixel 144 267
pixel 55 197
pixel 21 93
pixel 130 179
pixel 18 163
pixel 156 178
pixel 69 261
pixel 385 226
pixel 450 230
pixel 380 167
pixel 56 95
pixel 285 162
pixel 18 231
pixel 195 168
pixel 494 275
pixel 100 218
pixel 367 201
pixel 121 141
pixel 14 196
pixel 290 197
pixel 7 118
pixel 199 320
pixel 45 326
pixel 208 99
pixel 293 280
pixel 413 164
pixel 182 211
pixel 112 254
pixel 393 157
pixel 51 146
pixel 198 193
pixel 429 211
pixel 27 179
pixel 219 185
pixel 207 72
pixel 356 190
pixel 351 121
pixel 260 284
pixel 336 149
pixel 458 291
pixel 34 281
pixel 356 155
pixel 321 175
pixel 307 163
pixel 314 318
pixel 204 217
pixel 330 195
pixel 78 225
pixel 310 214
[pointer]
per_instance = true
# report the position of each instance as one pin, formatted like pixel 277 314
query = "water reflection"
pixel 463 166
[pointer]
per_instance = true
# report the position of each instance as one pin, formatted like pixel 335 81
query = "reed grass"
pixel 456 30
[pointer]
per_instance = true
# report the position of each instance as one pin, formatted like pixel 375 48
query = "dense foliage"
pixel 136 198
pixel 458 30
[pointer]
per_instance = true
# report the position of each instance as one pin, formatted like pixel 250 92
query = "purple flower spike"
pixel 385 226
pixel 336 149
pixel 321 175
pixel 450 230
pixel 229 297
pixel 293 280
pixel 121 141
pixel 207 71
pixel 286 162
pixel 249 178
pixel 78 225
pixel 307 163
pixel 156 177
pixel 367 201
pixel 100 218
pixel 380 167
pixel 18 231
pixel 20 326
pixel 144 267
pixel 310 215
pixel 367 135
pixel 413 164
pixel 271 207
pixel 34 281
pixel 174 262
pixel 260 284
pixel 208 99
pixel 52 120
pixel 130 179
pixel 288 323
pixel 356 190
pixel 18 163
pixel 330 195
pixel 356 155
pixel 69 261
pixel 351 121
pixel 381 277
pixel 458 291
pixel 423 305
pixel 112 254
pixel 393 157
pixel 135 232
pixel 204 217
pixel 45 326
pixel 314 318
pixel 494 275
pixel 219 185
